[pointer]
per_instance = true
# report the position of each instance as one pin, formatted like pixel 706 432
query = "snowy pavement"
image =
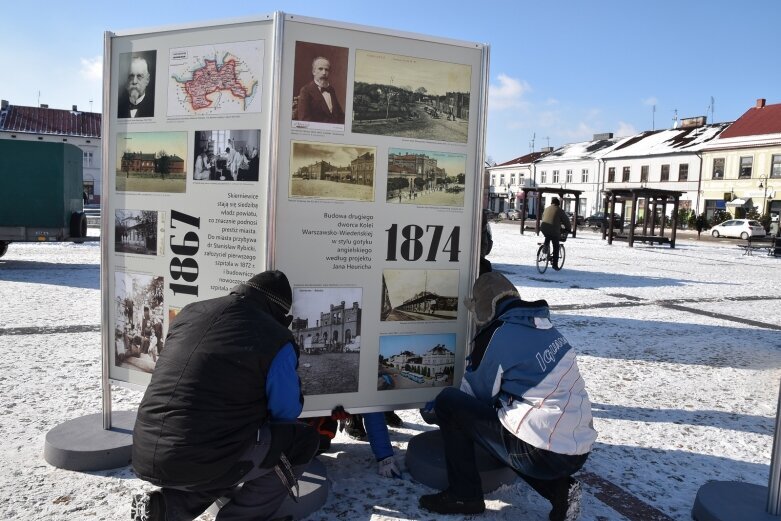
pixel 680 349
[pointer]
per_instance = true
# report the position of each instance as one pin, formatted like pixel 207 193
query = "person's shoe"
pixel 148 506
pixel 446 503
pixel 393 420
pixel 353 427
pixel 566 501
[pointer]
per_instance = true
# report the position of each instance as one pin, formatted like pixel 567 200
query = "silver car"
pixel 743 228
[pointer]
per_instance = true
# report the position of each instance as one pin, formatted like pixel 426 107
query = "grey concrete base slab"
pixel 83 444
pixel 425 462
pixel 731 501
pixel 313 493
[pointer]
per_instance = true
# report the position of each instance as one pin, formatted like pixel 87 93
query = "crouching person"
pixel 221 409
pixel 522 399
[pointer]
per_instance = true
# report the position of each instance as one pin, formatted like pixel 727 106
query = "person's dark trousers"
pixel 464 421
pixel 262 491
pixel 555 240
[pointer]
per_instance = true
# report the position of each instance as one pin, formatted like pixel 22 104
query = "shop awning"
pixel 739 202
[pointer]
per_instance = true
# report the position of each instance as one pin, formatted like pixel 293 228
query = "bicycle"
pixel 545 255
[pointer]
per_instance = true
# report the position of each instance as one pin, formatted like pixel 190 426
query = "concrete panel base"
pixel 313 489
pixel 83 444
pixel 731 501
pixel 425 462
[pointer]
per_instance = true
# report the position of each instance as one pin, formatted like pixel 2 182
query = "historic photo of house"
pixel 426 178
pixel 151 162
pixel 226 155
pixel 138 231
pixel 138 327
pixel 419 295
pixel 406 96
pixel 327 327
pixel 413 361
pixel 328 171
pixel 319 86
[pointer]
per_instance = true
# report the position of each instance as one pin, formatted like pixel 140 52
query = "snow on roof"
pixel 585 150
pixel 523 160
pixel 670 141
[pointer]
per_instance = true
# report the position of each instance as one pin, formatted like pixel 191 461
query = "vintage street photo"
pixel 138 231
pixel 328 171
pixel 136 84
pixel 414 361
pixel 327 327
pixel 426 178
pixel 319 86
pixel 405 96
pixel 151 162
pixel 226 155
pixel 138 329
pixel 419 295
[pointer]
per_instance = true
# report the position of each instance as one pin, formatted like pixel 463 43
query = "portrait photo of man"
pixel 319 83
pixel 136 97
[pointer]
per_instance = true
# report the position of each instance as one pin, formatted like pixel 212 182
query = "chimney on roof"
pixel 604 135
pixel 760 103
pixel 75 108
pixel 546 150
pixel 3 104
pixel 44 106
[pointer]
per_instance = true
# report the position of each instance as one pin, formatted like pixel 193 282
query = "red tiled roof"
pixel 37 120
pixel 528 158
pixel 765 120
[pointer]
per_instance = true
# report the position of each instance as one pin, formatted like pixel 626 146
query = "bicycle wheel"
pixel 542 259
pixel 562 256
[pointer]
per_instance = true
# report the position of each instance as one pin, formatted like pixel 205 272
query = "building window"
pixel 665 174
pixel 625 175
pixel 88 159
pixel 512 179
pixel 584 175
pixel 746 162
pixel 775 166
pixel 611 174
pixel 555 177
pixel 683 172
pixel 501 179
pixel 569 176
pixel 644 174
pixel 718 168
pixel 543 177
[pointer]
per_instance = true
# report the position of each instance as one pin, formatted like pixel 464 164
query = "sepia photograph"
pixel 327 327
pixel 328 171
pixel 151 162
pixel 405 96
pixel 136 95
pixel 138 231
pixel 414 361
pixel 138 327
pixel 426 178
pixel 409 295
pixel 319 86
pixel 226 155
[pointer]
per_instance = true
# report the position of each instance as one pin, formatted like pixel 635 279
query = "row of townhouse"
pixel 724 166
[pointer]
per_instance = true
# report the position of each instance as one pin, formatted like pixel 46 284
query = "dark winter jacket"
pixel 553 218
pixel 207 397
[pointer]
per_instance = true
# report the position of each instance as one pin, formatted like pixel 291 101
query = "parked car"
pixel 513 215
pixel 743 228
pixel 581 219
pixel 501 216
pixel 598 219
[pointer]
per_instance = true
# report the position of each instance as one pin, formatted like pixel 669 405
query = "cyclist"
pixel 553 220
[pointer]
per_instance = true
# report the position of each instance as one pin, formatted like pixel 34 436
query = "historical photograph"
pixel 215 79
pixel 411 97
pixel 327 327
pixel 328 171
pixel 151 162
pixel 226 155
pixel 413 361
pixel 426 178
pixel 138 329
pixel 319 86
pixel 136 96
pixel 419 295
pixel 138 231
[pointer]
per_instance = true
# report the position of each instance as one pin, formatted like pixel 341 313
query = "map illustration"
pixel 215 79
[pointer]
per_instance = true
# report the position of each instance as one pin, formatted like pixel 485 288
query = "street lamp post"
pixel 763 184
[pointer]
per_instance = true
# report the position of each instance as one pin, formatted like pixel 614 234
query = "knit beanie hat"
pixel 275 287
pixel 489 288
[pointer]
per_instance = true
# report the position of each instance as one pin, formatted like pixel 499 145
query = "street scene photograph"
pixel 426 178
pixel 419 295
pixel 138 332
pixel 331 171
pixel 410 361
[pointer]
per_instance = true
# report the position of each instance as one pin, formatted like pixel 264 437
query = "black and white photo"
pixel 226 155
pixel 329 171
pixel 137 231
pixel 319 86
pixel 412 295
pixel 138 328
pixel 136 95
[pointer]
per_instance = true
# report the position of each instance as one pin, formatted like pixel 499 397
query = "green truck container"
pixel 41 192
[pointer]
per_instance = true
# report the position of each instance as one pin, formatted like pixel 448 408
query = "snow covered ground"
pixel 680 349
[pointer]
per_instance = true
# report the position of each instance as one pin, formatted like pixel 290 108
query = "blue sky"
pixel 560 70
